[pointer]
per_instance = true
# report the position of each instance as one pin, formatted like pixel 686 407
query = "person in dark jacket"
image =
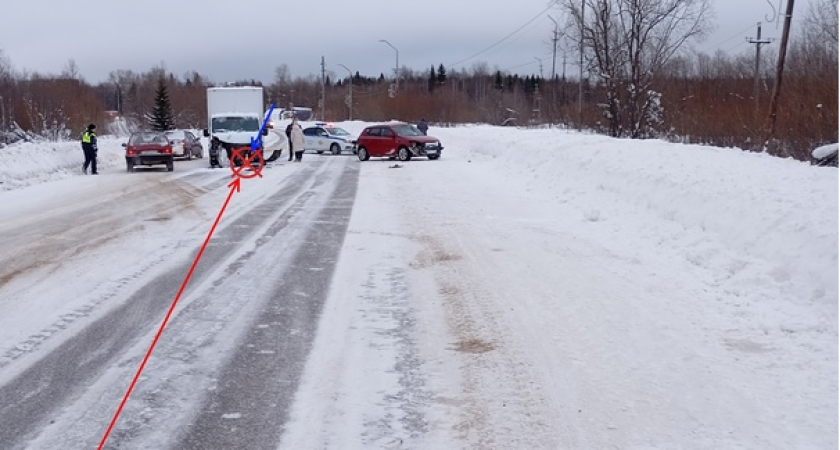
pixel 289 140
pixel 90 149
pixel 423 126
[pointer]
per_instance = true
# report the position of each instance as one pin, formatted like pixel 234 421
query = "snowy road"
pixel 533 289
pixel 260 284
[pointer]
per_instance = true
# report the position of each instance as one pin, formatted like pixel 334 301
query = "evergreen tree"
pixel 498 83
pixel 432 79
pixel 441 75
pixel 510 83
pixel 162 118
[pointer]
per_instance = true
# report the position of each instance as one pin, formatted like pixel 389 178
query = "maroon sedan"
pixel 396 140
pixel 147 148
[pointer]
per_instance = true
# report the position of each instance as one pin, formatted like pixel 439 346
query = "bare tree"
pixel 628 42
pixel 822 19
pixel 71 70
pixel 6 93
pixel 5 66
pixel 282 75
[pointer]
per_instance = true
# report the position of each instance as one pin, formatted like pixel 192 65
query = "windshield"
pixel 222 124
pixel 407 130
pixel 335 131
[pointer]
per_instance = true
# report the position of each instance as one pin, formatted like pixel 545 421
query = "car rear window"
pixel 176 134
pixel 147 138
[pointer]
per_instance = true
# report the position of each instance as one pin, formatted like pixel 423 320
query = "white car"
pixel 185 144
pixel 325 137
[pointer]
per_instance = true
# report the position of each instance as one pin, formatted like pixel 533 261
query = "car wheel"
pixel 335 149
pixel 433 157
pixel 170 166
pixel 129 166
pixel 403 154
pixel 363 154
pixel 188 154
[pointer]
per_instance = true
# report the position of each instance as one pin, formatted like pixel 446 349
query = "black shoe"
pixel 95 173
pixel 84 170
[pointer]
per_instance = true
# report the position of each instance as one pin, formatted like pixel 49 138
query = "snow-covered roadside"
pixel 28 163
pixel 573 291
pixel 538 289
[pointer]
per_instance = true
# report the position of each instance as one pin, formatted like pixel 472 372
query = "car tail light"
pixel 167 149
pixel 130 151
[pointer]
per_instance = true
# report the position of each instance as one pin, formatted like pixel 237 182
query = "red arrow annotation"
pixel 235 186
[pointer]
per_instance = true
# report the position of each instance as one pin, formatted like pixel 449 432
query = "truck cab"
pixel 234 116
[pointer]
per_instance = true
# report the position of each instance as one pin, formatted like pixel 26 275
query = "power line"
pixel 506 37
pixel 740 33
pixel 514 39
pixel 525 64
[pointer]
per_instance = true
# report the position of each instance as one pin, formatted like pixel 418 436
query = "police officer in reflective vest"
pixel 90 149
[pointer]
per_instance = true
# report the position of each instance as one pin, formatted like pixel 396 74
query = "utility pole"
pixel 396 69
pixel 580 69
pixel 555 36
pixel 349 100
pixel 563 86
pixel 780 68
pixel 541 71
pixel 758 43
pixel 321 102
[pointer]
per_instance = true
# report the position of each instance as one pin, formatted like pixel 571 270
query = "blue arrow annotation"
pixel 257 142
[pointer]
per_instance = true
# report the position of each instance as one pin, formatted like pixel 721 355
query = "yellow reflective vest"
pixel 87 136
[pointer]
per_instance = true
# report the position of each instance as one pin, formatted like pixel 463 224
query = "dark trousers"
pixel 90 159
pixel 291 152
pixel 298 155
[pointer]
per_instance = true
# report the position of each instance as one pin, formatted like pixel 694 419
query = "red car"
pixel 396 140
pixel 147 148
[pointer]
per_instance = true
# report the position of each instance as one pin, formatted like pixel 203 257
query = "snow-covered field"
pixel 541 289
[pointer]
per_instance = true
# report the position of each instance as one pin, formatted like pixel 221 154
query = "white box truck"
pixel 234 116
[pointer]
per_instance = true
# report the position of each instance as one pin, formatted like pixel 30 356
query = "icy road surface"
pixel 533 289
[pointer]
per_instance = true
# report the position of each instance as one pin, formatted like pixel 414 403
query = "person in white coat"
pixel 296 139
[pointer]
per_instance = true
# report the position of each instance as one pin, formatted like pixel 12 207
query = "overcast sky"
pixel 248 39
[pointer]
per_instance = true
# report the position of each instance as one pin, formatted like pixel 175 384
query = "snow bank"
pixel 824 151
pixel 780 211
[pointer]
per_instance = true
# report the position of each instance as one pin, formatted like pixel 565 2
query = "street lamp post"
pixel 350 95
pixel 396 68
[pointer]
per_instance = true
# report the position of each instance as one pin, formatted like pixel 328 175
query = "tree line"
pixel 639 82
